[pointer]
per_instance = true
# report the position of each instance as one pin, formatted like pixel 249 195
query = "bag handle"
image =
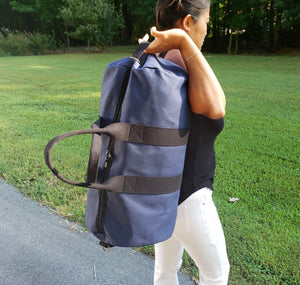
pixel 139 55
pixel 129 133
pixel 94 154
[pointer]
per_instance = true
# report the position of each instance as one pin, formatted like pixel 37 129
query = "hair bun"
pixel 179 5
pixel 169 11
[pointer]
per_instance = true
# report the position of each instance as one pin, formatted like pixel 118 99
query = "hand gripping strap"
pixel 132 134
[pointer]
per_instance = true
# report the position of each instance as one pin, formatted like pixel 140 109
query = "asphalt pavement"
pixel 39 247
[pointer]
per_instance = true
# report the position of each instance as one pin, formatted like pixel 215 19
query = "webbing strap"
pixel 146 135
pixel 139 55
pixel 140 184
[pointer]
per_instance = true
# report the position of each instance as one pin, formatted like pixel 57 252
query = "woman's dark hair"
pixel 169 11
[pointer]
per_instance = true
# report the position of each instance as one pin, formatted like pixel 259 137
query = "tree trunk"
pixel 271 25
pixel 127 21
pixel 67 35
pixel 236 43
pixel 230 42
pixel 276 31
pixel 215 27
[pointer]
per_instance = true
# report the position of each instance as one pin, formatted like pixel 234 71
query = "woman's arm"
pixel 206 95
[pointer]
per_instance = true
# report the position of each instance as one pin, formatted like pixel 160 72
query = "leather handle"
pixel 94 154
pixel 129 133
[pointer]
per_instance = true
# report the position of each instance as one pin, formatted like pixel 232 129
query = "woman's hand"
pixel 144 39
pixel 166 40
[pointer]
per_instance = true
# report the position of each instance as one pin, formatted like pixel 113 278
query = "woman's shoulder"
pixel 174 56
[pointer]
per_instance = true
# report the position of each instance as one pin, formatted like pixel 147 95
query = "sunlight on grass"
pixel 39 67
pixel 87 95
pixel 11 87
pixel 2 126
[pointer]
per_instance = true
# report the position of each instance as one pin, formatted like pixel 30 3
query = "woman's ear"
pixel 187 23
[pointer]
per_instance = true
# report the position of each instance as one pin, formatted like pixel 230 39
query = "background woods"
pixel 236 26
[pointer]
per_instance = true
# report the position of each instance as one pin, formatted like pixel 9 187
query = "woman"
pixel 183 27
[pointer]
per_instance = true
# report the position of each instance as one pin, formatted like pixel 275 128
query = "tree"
pixel 94 21
pixel 138 17
pixel 262 25
pixel 286 22
pixel 254 24
pixel 13 19
pixel 236 21
pixel 45 14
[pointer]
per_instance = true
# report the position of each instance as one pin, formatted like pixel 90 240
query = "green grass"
pixel 257 153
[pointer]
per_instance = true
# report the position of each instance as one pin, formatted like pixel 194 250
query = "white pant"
pixel 198 230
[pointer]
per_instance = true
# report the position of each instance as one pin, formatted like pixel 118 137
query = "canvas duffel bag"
pixel 137 153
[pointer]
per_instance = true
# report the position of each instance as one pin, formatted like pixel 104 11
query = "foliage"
pixel 23 43
pixel 257 152
pixel 24 6
pixel 94 21
pixel 257 24
pixel 237 25
pixel 43 16
pixel 138 17
pixel 41 44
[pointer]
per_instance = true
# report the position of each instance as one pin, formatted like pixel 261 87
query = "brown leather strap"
pixel 133 184
pixel 129 133
pixel 96 146
pixel 140 184
pixel 146 135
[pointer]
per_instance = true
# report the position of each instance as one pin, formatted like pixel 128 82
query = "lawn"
pixel 257 153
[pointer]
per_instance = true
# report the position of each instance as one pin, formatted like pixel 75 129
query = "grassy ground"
pixel 257 153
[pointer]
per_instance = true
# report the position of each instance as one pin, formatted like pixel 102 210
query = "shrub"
pixel 2 53
pixel 41 44
pixel 23 43
pixel 14 43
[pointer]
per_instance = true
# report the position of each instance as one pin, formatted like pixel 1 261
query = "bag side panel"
pixel 139 220
pixel 147 160
pixel 156 97
pixel 111 89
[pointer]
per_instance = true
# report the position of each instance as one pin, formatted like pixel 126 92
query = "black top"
pixel 200 162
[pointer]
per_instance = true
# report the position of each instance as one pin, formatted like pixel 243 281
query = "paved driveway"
pixel 39 247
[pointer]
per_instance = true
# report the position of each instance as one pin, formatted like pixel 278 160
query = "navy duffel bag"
pixel 137 154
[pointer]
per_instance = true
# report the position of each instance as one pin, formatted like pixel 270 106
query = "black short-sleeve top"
pixel 200 161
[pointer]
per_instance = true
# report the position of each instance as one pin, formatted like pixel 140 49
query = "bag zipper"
pixel 109 157
pixel 102 193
